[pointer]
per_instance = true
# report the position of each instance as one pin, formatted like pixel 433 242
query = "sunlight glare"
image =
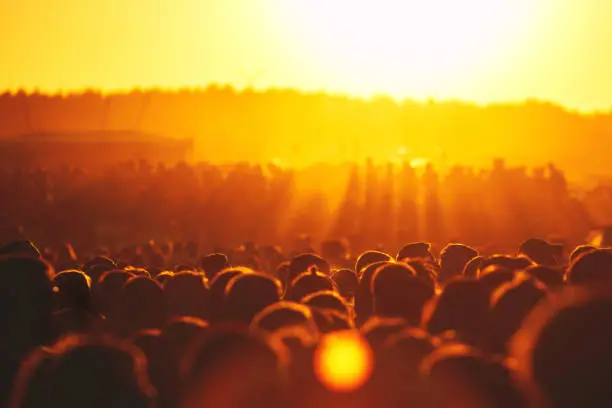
pixel 343 361
pixel 391 43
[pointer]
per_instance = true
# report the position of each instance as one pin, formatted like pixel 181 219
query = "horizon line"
pixel 106 92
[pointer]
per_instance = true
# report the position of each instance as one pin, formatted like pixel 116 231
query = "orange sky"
pixel 478 50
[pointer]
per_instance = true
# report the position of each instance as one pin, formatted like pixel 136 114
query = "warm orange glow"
pixel 343 361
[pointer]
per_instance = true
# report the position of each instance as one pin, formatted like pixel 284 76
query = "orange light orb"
pixel 343 361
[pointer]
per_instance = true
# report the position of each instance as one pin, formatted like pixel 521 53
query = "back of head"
pixel 510 304
pixel 26 304
pixel 591 268
pixel 80 372
pixel 416 250
pixel 72 290
pixel 248 294
pixel 368 258
pixel 364 302
pixel 327 299
pixel 187 295
pixel 218 285
pixel 107 292
pixel 461 307
pixel 551 277
pixel 242 359
pixel 494 276
pixel 398 292
pixel 283 314
pixel 541 252
pixel 563 350
pixel 346 281
pixel 453 259
pixel 213 264
pixel 459 376
pixel 142 304
pixel 307 283
pixel 514 263
pixel 378 329
pixel 579 250
pixel 20 249
pixel 305 262
pixel 472 268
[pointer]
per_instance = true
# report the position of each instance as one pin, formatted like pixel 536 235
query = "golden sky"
pixel 477 50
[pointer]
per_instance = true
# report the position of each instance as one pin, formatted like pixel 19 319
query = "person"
pixel 79 371
pixel 142 304
pixel 370 257
pixel 307 283
pixel 541 252
pixel 26 321
pixel 283 314
pixel 248 294
pixel 462 307
pixel 562 351
pixel 304 263
pixel 453 259
pixel 590 268
pixel 346 281
pixel 213 263
pixel 398 292
pixel 253 366
pixel 187 294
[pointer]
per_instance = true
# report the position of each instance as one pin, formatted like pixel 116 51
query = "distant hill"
pixel 299 128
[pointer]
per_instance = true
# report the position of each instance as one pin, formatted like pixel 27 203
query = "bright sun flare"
pixel 394 43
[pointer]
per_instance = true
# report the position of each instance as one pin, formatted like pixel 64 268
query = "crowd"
pixel 223 206
pixel 188 321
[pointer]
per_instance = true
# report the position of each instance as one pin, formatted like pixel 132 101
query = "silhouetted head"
pixel 591 268
pixel 472 268
pixel 541 252
pixel 283 314
pixel 515 263
pixel 510 305
pixel 187 295
pixel 563 349
pixel 26 304
pixel 364 303
pixel 398 292
pixel 106 294
pixel 142 304
pixel 425 271
pixel 20 249
pixel 304 263
pixel 99 261
pixel 370 257
pixel 378 329
pixel 72 289
pixel 248 294
pixel 327 299
pixel 346 281
pixel 307 283
pixel 231 368
pixel 453 259
pixel 165 276
pixel 458 376
pixel 212 264
pixel 461 307
pixel 329 320
pixel 217 290
pixel 579 250
pixel 81 372
pixel 416 250
pixel 551 277
pixel 494 276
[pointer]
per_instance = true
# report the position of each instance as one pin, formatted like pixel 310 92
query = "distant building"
pixel 91 149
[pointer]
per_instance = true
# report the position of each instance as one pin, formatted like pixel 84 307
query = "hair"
pixel 187 294
pixel 370 257
pixel 248 294
pixel 283 314
pixel 82 371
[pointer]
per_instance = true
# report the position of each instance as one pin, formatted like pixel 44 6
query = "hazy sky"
pixel 478 50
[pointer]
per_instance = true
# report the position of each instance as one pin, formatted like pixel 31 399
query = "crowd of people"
pixel 171 326
pixel 222 206
pixel 204 286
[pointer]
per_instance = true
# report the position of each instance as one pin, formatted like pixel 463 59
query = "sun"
pixel 390 44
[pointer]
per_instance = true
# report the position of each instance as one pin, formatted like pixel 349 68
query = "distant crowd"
pixel 367 206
